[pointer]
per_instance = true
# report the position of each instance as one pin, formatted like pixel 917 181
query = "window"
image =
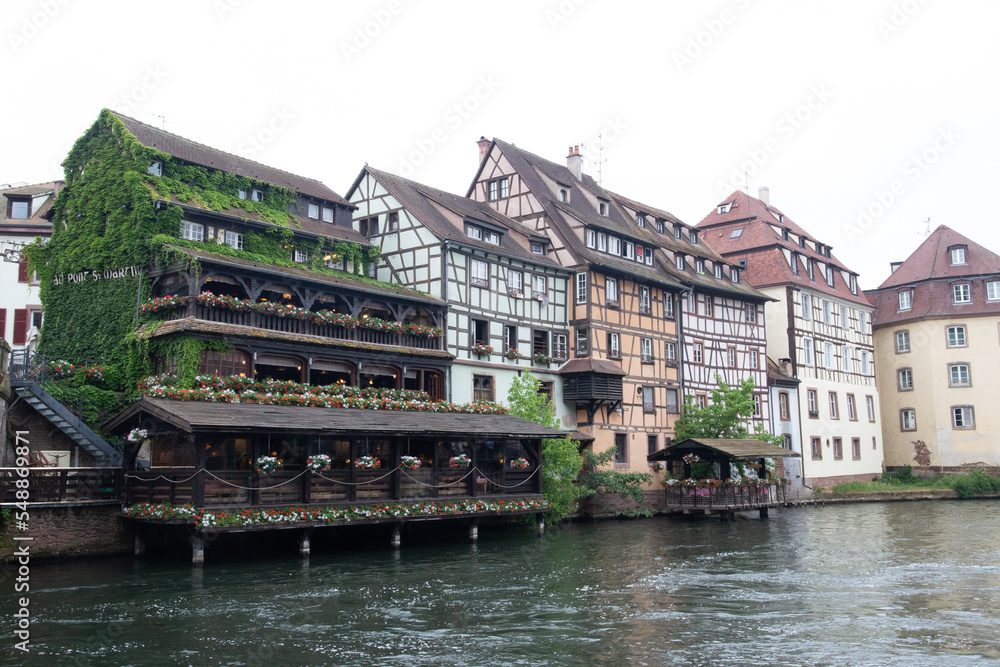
pixel 702 400
pixel 582 341
pixel 474 232
pixel 369 226
pixel 677 231
pixel 808 354
pixel 956 336
pixel 591 238
pixel 155 168
pixel 905 379
pixel 961 293
pixel 649 256
pixel 560 346
pixel 865 370
pixel 18 208
pixel 709 306
pixel 834 406
pixel 694 237
pixel 809 269
pixel 668 306
pixel 852 410
pixel 313 211
pixel 614 245
pixel 957 256
pixel 680 262
pixel 862 321
pixel 845 359
pixel 958 375
pixel 648 399
pixel 192 231
pixel 22 271
pixel 870 405
pixel 828 358
pixel 754 360
pixel 646 349
pixel 751 313
pixel 905 300
pixel 479 330
pixel 392 225
pixel 242 194
pixel 621 448
pixel 843 317
pixel 504 188
pixel 256 195
pixel 545 389
pixel 829 276
pixel 659 226
pixel 826 312
pixel 672 407
pixel 816 445
pixel 515 283
pixel 641 219
pixel 735 275
pixel 731 357
pixel 718 271
pixel 699 266
pixel 538 287
pixel 300 256
pixel 602 241
pixel 854 284
pixel 629 250
pixel 908 419
pixel 327 214
pixel 563 195
pixel 783 411
pixel 736 233
pixel 537 247
pixel 614 345
pixel 234 240
pixel 902 342
pixel 670 349
pixel 794 262
pixel 611 291
pixel 497 189
pixel 645 306
pixel 807 307
pixel 838 448
pixel 509 338
pixel 581 288
pixel 756 405
pixel 652 443
pixel 479 272
pixel 698 353
pixel 993 290
pixel 962 417
pixel 482 388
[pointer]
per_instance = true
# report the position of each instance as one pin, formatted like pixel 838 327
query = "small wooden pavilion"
pixel 724 494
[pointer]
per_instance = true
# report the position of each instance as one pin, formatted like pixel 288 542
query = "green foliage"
pixel 975 483
pixel 561 460
pixel 91 403
pixel 965 485
pixel 726 416
pixel 629 486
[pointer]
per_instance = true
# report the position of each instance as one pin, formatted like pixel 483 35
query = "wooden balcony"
pixel 62 485
pixel 307 327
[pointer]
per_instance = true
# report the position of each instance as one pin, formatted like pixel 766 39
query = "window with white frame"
pixel 538 287
pixel 736 233
pixel 829 276
pixel 699 266
pixel 694 237
pixel 756 405
pixel 865 369
pixel 479 273
pixel 256 195
pixel 504 188
pixel 828 358
pixel 754 360
pixel 957 256
pixel 602 241
pixel 509 338
pixel 908 419
pixel 826 311
pixel 812 403
pixel 734 273
pixel 852 409
pixel 854 284
pixel 698 353
pixel 904 377
pixel 845 358
pixel 581 288
pixel 731 357
pixel 862 321
pixel 234 240
pixel 677 231
pixel 718 271
pixel 313 211
pixel 668 306
pixel 640 219
pixel 956 336
pixel 670 349
pixel 628 251
pixel 649 256
pixel 611 291
pixel 602 208
pixel 807 307
pixel 582 341
pixel 563 195
pixel 958 375
pixel 870 405
pixel 961 293
pixel 614 345
pixel 808 353
pixel 810 269
pixel 515 282
pixel 591 238
pixel 645 305
pixel 327 214
pixel 560 346
pixel 993 290
pixel 709 306
pixel 751 310
pixel 834 406
pixel 962 416
pixel 192 231
pixel 902 342
pixel 680 262
pixel 844 317
pixel 155 168
pixel 646 348
pixel 474 232
pixel 614 246
pixel 905 300
pixel 300 256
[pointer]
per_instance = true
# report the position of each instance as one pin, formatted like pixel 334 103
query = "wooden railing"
pixel 60 485
pixel 749 497
pixel 226 488
pixel 310 328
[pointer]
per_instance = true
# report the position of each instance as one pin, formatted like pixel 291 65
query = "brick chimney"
pixel 785 366
pixel 484 146
pixel 574 162
pixel 764 194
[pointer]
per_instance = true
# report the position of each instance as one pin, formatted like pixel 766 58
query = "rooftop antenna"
pixel 600 157
pixel 927 228
pixel 163 121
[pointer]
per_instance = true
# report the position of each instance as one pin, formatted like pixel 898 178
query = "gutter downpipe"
pixel 445 250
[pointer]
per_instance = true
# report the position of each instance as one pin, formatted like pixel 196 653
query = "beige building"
pixel 936 326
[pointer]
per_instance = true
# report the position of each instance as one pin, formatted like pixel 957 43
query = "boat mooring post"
pixel 197 550
pixel 304 542
pixel 474 531
pixel 140 543
pixel 397 539
pixel 539 525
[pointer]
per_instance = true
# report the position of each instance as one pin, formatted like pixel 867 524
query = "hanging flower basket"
pixel 367 462
pixel 691 458
pixel 318 463
pixel 266 465
pixel 658 466
pixel 409 462
pixel 460 461
pixel 520 463
pixel 137 435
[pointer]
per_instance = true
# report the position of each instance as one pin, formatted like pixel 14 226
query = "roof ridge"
pixel 30 185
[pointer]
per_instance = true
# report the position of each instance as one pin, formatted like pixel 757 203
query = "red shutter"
pixel 20 326
pixel 22 271
pixel 3 323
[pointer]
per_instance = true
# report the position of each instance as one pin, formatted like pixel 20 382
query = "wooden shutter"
pixel 3 323
pixel 22 271
pixel 20 326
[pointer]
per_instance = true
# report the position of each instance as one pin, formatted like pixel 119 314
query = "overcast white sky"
pixel 833 105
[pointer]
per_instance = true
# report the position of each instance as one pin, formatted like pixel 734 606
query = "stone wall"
pixel 70 530
pixel 830 482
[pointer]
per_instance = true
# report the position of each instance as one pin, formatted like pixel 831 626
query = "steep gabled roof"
pixel 38 217
pixel 206 156
pixel 932 260
pixel 426 202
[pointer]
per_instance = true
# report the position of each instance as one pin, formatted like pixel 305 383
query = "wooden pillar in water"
pixel 396 539
pixel 474 530
pixel 197 550
pixel 140 543
pixel 539 525
pixel 304 542
pixel 763 512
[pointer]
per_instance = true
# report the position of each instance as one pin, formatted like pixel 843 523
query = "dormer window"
pixel 313 211
pixel 300 256
pixel 736 233
pixel 718 271
pixel 735 274
pixel 18 208
pixel 677 231
pixel 563 195
pixel 641 219
pixel 659 226
pixel 242 194
pixel 680 262
pixel 725 208
pixel 694 238
pixel 602 241
pixel 829 276
pixel 793 259
pixel 905 300
pixel 629 250
pixel 256 195
pixel 958 255
pixel 327 214
pixel 699 266
pixel 492 238
pixel 155 168
pixel 603 209
pixel 639 253
pixel 784 234
pixel 591 238
pixel 649 256
pixel 809 269
pixel 474 232
pixel 614 246
pixel 537 248
pixel 802 242
pixel 854 284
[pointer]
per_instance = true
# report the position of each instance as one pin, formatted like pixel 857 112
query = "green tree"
pixel 728 415
pixel 561 460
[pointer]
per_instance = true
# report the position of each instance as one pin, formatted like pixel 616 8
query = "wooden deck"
pixel 724 501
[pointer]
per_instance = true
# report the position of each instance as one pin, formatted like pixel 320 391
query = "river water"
pixel 875 584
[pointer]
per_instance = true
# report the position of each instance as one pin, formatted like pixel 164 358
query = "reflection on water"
pixel 883 584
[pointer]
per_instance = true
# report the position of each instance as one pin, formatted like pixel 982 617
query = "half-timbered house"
pixel 506 299
pixel 821 321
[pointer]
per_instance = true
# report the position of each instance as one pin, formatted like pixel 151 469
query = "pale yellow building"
pixel 936 354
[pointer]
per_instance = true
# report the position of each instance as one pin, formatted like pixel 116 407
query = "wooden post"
pixel 474 531
pixel 352 490
pixel 140 542
pixel 539 524
pixel 307 487
pixel 197 550
pixel 396 539
pixel 304 542
pixel 763 512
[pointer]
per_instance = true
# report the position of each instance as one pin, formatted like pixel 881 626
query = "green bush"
pixel 975 483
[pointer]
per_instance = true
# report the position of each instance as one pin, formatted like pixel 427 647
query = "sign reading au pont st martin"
pixel 106 274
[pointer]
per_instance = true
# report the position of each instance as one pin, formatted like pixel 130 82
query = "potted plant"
pixel 520 463
pixel 367 462
pixel 137 435
pixel 691 458
pixel 318 462
pixel 460 461
pixel 265 465
pixel 409 462
pixel 482 350
pixel 513 353
pixel 542 359
pixel 249 396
